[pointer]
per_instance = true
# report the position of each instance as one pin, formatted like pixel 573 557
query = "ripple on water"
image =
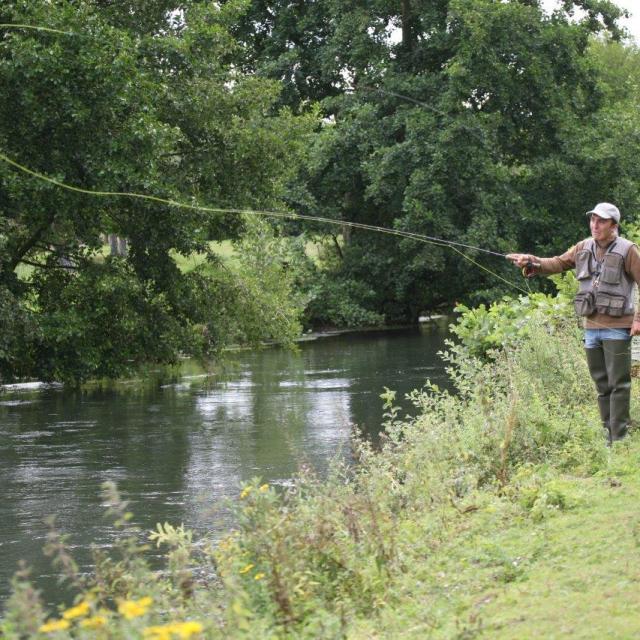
pixel 290 384
pixel 31 435
pixel 320 384
pixel 329 383
pixel 232 403
pixel 242 383
pixel 16 403
pixel 31 386
pixel 322 372
pixel 73 424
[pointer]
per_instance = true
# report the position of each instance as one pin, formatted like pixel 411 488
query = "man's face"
pixel 603 230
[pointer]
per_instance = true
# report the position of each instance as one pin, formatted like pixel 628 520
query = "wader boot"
pixel 617 356
pixel 598 371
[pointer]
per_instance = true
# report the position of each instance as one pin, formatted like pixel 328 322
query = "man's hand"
pixel 523 259
pixel 528 263
pixel 635 328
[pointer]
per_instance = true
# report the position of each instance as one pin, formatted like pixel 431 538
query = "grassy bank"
pixel 570 573
pixel 496 512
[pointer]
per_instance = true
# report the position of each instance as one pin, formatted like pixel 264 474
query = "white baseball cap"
pixel 606 210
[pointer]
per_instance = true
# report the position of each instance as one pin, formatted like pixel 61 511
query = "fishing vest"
pixel 605 287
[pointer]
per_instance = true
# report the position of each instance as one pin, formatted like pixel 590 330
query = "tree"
pixel 155 106
pixel 607 149
pixel 456 119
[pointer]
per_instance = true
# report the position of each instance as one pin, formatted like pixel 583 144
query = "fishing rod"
pixel 276 214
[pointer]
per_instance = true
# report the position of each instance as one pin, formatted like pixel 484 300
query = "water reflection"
pixel 177 450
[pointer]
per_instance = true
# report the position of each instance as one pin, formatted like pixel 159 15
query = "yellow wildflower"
pixel 259 576
pixel 264 487
pixel 94 623
pixel 78 611
pixel 157 633
pixel 247 568
pixel 187 629
pixel 183 630
pixel 134 608
pixel 54 625
pixel 245 492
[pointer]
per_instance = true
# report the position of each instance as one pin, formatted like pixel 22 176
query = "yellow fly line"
pixel 32 27
pixel 256 212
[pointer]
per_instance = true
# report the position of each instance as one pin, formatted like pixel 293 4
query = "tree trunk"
pixel 29 243
pixel 117 245
pixel 407 26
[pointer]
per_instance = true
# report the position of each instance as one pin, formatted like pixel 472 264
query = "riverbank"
pixel 496 512
pixel 570 570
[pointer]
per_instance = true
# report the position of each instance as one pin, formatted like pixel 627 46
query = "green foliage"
pixel 503 324
pixel 104 322
pixel 266 279
pixel 101 322
pixel 338 302
pixel 25 612
pixel 492 131
pixel 541 492
pixel 610 140
pixel 19 331
pixel 495 130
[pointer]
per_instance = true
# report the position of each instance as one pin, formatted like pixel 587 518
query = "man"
pixel 608 270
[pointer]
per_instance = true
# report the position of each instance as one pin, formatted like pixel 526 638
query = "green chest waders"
pixel 598 371
pixel 610 369
pixel 617 356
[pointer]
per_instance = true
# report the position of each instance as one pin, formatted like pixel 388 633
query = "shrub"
pixel 504 323
pixel 338 302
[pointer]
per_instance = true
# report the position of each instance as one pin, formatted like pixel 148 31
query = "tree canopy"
pixel 490 123
pixel 130 101
pixel 461 119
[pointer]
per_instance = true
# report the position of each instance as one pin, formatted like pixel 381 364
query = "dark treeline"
pixel 491 123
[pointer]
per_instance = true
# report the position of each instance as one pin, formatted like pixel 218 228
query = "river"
pixel 177 449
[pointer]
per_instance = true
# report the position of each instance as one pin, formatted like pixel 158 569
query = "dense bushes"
pixel 337 302
pixel 103 321
pixel 507 322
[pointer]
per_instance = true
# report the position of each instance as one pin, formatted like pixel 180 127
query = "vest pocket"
pixel 611 269
pixel 584 303
pixel 610 304
pixel 583 265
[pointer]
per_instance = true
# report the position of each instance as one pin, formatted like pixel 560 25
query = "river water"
pixel 178 449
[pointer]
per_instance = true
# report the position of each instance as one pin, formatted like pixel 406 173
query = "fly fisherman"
pixel 608 269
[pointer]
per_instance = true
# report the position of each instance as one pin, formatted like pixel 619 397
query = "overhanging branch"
pixel 30 243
